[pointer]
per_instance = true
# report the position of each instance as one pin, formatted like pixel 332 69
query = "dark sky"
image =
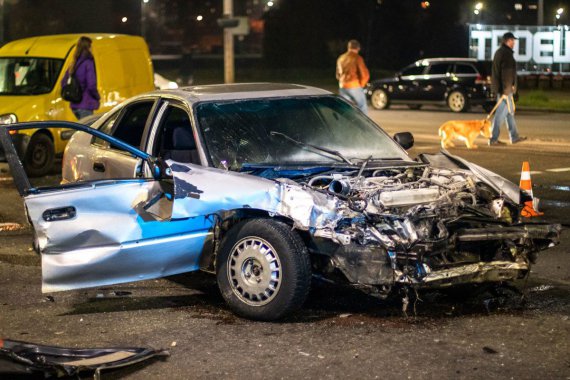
pixel 298 33
pixel 392 32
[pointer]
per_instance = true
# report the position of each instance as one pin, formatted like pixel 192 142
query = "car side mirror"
pixel 158 168
pixel 405 139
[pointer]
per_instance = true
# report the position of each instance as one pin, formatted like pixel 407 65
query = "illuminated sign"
pixel 542 45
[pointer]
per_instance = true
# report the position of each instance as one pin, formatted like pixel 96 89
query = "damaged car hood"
pixel 203 191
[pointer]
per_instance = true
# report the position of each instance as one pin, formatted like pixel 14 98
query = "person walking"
pixel 352 75
pixel 503 83
pixel 83 68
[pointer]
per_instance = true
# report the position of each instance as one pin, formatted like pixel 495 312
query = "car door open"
pixel 109 231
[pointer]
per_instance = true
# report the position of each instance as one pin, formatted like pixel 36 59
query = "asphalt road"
pixel 340 332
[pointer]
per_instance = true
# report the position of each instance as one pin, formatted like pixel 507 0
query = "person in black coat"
pixel 503 83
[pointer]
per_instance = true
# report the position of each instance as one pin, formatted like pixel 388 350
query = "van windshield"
pixel 28 76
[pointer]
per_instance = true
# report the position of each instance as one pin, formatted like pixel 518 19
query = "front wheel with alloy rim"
pixel 457 102
pixel 39 156
pixel 264 271
pixel 379 99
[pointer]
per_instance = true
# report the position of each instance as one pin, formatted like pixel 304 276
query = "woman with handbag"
pixel 79 84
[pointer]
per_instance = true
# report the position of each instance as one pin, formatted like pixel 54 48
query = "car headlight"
pixel 8 118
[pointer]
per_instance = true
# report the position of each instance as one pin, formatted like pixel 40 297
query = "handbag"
pixel 71 91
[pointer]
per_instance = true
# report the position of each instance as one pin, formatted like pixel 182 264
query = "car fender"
pixel 498 183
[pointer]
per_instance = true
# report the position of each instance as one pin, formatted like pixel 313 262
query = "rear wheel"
pixel 379 99
pixel 264 271
pixel 39 156
pixel 457 101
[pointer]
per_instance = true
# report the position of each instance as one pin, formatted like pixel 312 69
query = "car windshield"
pixel 28 76
pixel 302 130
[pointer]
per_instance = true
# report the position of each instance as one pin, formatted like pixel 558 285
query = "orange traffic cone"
pixel 528 211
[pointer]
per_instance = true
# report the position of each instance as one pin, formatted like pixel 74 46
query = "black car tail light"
pixel 483 80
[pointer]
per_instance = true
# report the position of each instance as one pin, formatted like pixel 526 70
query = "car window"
pixel 106 128
pixel 28 76
pixel 413 70
pixel 464 69
pixel 130 127
pixel 438 69
pixel 175 138
pixel 261 132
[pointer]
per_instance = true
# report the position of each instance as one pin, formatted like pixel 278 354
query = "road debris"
pixel 22 358
pixel 10 227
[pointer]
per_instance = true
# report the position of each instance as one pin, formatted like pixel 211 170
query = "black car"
pixel 456 82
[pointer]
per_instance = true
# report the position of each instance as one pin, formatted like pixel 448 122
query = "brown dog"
pixel 466 130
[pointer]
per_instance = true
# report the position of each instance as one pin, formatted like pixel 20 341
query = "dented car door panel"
pixel 107 241
pixel 107 232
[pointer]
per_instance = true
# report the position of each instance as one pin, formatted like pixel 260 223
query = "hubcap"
pixel 39 155
pixel 254 271
pixel 379 99
pixel 456 101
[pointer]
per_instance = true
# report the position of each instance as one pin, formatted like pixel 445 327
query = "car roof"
pixel 57 45
pixel 426 61
pixel 239 91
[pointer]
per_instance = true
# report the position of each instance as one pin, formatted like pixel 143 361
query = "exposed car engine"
pixel 428 226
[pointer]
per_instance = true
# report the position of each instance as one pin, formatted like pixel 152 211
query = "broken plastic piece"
pixel 21 358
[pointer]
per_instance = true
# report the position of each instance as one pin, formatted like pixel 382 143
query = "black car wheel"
pixel 39 156
pixel 264 271
pixel 414 106
pixel 457 102
pixel 379 99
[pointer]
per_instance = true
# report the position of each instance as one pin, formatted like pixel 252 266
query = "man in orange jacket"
pixel 352 75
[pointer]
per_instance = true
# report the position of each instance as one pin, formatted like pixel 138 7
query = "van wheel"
pixel 39 156
pixel 264 271
pixel 457 101
pixel 379 99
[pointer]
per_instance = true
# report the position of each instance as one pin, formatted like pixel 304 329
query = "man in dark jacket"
pixel 504 81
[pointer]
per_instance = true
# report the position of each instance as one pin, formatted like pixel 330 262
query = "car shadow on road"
pixel 327 302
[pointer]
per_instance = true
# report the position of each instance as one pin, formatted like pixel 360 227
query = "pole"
pixel 1 23
pixel 228 45
pixel 540 20
pixel 143 20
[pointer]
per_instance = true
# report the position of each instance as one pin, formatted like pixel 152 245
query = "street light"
pixel 477 11
pixel 559 13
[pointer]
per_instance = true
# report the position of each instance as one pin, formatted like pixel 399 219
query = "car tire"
pixel 40 153
pixel 379 99
pixel 457 102
pixel 263 269
pixel 414 106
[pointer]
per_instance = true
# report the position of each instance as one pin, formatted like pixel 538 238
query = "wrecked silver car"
pixel 268 185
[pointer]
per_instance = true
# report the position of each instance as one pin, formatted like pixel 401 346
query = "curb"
pixel 545 110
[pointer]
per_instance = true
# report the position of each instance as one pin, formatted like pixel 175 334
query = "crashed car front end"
pixel 429 227
pixel 435 223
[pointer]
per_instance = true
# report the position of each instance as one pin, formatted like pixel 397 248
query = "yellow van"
pixel 31 71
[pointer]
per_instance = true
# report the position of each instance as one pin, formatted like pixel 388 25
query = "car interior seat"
pixel 179 145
